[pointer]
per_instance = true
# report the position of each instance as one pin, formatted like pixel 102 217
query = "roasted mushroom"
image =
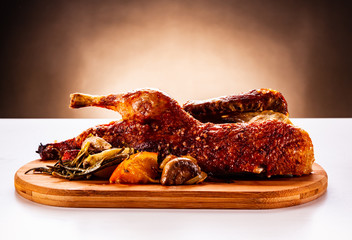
pixel 181 170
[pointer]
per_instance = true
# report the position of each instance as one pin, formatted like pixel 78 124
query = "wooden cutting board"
pixel 245 194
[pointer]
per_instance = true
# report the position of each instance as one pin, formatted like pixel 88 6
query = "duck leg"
pixel 151 121
pixel 140 105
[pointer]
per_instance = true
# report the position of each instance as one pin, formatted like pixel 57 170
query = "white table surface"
pixel 328 217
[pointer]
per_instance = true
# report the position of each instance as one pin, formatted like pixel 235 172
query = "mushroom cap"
pixel 178 171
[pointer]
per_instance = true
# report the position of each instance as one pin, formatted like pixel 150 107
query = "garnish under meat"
pixel 265 143
pixel 140 168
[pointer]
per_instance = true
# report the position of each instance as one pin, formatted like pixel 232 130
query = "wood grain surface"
pixel 239 194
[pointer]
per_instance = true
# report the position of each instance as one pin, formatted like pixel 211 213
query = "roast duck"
pixel 245 133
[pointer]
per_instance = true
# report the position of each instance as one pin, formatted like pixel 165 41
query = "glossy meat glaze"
pixel 152 121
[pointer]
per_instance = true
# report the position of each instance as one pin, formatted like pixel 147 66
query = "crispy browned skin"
pixel 154 122
pixel 235 107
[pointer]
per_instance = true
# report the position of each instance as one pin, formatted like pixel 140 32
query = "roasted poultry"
pixel 263 141
pixel 238 108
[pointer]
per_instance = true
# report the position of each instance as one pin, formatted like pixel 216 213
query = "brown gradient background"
pixel 189 49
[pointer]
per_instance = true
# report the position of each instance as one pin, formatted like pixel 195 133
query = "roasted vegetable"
pixel 139 168
pixel 181 170
pixel 92 160
pixel 84 165
pixel 96 144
